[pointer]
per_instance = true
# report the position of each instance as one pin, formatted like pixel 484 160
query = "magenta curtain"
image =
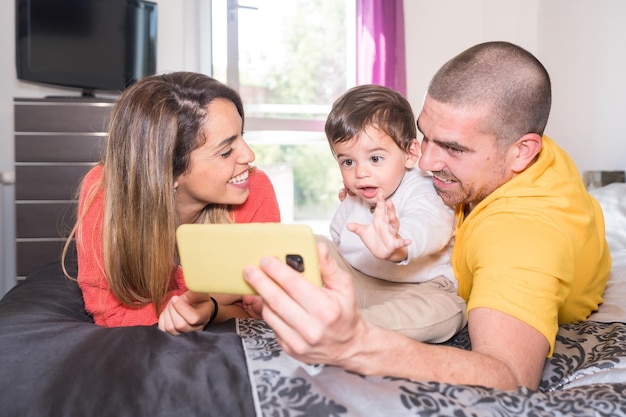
pixel 380 44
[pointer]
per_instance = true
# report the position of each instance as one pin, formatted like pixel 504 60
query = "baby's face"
pixel 371 161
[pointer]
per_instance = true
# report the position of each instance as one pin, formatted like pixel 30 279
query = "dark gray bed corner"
pixel 54 361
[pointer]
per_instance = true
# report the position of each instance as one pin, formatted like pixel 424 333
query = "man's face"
pixel 466 163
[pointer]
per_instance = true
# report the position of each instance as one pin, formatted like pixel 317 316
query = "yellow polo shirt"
pixel 535 248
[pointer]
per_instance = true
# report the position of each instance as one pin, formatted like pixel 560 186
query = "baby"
pixel 392 230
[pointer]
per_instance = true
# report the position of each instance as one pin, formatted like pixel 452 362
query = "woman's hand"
pixel 185 313
pixel 253 304
pixel 230 306
pixel 343 193
pixel 192 311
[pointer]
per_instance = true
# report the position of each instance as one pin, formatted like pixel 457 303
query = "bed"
pixel 55 362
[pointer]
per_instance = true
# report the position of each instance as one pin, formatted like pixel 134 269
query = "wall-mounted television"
pixel 87 44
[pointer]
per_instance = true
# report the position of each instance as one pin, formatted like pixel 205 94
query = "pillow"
pixel 612 198
pixel 614 306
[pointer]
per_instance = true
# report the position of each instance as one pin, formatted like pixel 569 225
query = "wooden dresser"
pixel 57 140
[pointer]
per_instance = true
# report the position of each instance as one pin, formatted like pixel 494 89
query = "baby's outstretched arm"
pixel 381 236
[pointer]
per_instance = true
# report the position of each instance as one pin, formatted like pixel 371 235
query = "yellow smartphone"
pixel 213 255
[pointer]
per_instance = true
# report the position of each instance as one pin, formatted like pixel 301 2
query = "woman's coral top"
pixel 106 310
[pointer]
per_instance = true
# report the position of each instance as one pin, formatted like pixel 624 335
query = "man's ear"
pixel 526 150
pixel 412 154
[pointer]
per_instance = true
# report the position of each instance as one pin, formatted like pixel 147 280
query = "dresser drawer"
pixel 56 141
pixel 68 147
pixel 49 182
pixel 34 254
pixel 44 220
pixel 78 116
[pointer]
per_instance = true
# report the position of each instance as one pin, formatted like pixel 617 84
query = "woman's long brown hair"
pixel 154 126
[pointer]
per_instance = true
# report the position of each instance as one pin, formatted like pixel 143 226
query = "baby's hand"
pixel 381 235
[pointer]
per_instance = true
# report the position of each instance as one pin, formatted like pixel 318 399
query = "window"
pixel 289 60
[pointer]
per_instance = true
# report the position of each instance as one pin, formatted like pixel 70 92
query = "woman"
pixel 175 154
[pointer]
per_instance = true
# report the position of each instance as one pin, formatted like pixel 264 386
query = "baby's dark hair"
pixel 371 105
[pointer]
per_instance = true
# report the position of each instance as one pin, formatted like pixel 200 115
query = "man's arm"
pixel 323 325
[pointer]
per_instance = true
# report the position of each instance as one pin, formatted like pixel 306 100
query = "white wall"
pixel 584 47
pixel 582 43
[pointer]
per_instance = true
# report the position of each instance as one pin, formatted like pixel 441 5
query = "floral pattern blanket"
pixel 586 376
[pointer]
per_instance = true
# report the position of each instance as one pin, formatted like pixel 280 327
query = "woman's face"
pixel 219 168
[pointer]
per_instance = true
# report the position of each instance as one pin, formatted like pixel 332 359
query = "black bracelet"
pixel 214 314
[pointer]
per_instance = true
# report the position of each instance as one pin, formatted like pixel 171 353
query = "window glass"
pixel 292 57
pixel 289 59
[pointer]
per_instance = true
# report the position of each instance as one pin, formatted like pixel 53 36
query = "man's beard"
pixel 450 198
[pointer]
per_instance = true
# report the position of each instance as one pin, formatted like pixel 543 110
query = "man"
pixel 529 253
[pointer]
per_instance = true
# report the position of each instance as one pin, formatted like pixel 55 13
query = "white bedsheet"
pixel 612 198
pixel 614 306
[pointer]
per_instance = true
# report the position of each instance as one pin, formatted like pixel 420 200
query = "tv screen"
pixel 88 44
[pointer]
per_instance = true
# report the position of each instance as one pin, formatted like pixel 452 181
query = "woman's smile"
pixel 239 179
